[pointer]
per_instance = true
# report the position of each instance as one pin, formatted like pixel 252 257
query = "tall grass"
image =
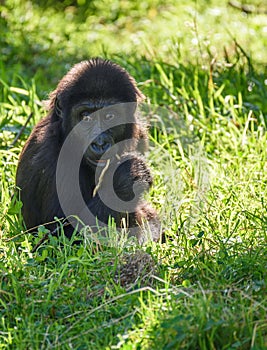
pixel 205 287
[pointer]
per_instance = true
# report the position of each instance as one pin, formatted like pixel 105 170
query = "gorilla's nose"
pixel 101 144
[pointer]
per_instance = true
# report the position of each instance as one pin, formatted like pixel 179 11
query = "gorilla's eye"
pixel 86 116
pixel 109 116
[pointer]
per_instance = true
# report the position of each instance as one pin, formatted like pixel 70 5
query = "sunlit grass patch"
pixel 200 66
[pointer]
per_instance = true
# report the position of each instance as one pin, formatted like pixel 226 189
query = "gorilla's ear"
pixel 57 107
pixel 54 104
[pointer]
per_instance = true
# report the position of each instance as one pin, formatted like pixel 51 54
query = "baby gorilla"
pixel 85 158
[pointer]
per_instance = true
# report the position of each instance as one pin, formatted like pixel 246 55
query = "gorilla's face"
pixel 100 127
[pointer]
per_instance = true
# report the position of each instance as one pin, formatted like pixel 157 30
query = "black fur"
pixel 97 84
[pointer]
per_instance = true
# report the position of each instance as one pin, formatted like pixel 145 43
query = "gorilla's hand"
pixel 131 178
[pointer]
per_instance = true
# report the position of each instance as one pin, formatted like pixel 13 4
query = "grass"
pixel 205 288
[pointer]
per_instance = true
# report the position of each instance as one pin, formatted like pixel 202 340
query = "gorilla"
pixel 85 158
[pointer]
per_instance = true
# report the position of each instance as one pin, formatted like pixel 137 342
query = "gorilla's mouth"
pixel 102 160
pixel 99 162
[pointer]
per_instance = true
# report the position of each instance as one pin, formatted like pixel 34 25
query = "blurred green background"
pixel 42 39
